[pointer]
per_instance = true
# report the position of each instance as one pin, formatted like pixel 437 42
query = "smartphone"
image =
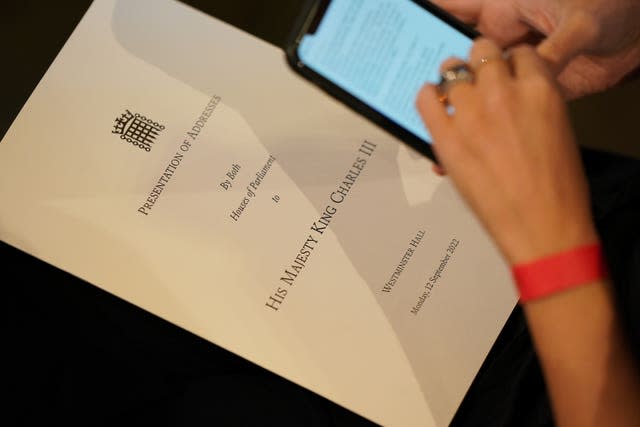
pixel 375 55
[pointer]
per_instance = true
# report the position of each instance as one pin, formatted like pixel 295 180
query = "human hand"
pixel 590 44
pixel 510 150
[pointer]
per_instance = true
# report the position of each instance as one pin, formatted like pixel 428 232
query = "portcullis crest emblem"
pixel 137 130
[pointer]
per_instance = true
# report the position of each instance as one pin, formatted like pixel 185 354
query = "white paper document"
pixel 177 162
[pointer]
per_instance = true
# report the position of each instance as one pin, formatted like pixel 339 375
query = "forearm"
pixel 589 372
pixel 508 146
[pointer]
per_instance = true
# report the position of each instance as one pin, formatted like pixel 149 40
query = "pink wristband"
pixel 559 272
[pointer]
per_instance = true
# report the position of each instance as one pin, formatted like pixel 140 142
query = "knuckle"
pixel 541 91
pixel 483 43
pixel 537 85
pixel 449 62
pixel 479 44
pixel 498 99
pixel 483 47
pixel 522 50
pixel 470 119
pixel 587 24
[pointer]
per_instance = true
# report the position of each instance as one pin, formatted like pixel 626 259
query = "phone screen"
pixel 382 52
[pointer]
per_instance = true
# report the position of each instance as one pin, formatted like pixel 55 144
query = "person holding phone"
pixel 508 147
pixel 590 44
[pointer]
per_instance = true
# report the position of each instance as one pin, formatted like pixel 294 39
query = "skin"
pixel 511 153
pixel 590 44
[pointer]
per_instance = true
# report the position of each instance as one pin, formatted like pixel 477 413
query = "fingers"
pixel 454 91
pixel 450 63
pixel 437 120
pixel 490 67
pixel 526 62
pixel 438 169
pixel 488 61
pixel 467 11
pixel 501 20
pixel 433 113
pixel 569 40
pixel 492 71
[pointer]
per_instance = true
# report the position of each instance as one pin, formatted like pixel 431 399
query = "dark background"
pixel 76 355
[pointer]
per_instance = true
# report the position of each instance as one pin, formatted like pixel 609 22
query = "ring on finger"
pixel 458 73
pixel 487 59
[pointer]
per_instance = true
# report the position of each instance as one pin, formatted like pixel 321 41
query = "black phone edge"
pixel 345 97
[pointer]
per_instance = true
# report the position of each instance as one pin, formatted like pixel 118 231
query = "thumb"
pixel 573 35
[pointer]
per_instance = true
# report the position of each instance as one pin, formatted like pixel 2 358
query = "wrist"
pixel 559 272
pixel 540 242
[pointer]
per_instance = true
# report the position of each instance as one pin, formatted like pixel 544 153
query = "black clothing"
pixel 509 389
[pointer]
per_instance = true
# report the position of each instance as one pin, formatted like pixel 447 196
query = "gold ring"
pixel 504 56
pixel 484 60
